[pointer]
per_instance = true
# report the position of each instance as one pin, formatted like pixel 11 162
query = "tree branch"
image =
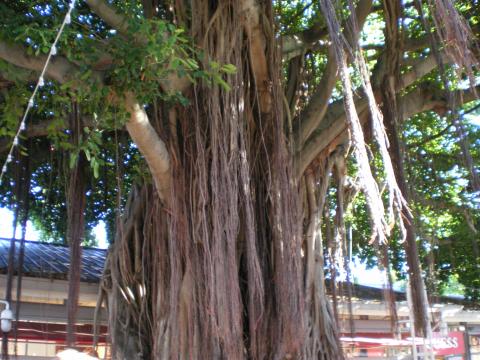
pixel 312 115
pixel 141 131
pixel 257 49
pixel 15 74
pixel 315 112
pixel 43 128
pixel 119 22
pixel 151 146
pixel 310 39
pixel 332 123
pixel 333 129
pixel 59 69
pixel 139 127
pixel 108 14
pixel 293 45
pixel 431 138
pixel 420 68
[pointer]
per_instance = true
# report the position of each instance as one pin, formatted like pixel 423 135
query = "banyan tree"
pixel 234 149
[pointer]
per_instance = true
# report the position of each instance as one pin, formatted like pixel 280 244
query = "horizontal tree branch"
pixel 333 129
pixel 309 39
pixel 141 131
pixel 333 121
pixel 59 68
pixel 312 115
pixel 315 112
pixel 40 129
pixel 420 68
pixel 10 76
pixel 139 127
pixel 293 45
pixel 108 14
pixel 440 133
pixel 119 22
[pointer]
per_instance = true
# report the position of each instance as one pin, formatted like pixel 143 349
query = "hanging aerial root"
pixel 380 229
pixel 458 42
pixel 322 333
pixel 24 200
pixel 76 204
pixel 455 35
pixel 396 200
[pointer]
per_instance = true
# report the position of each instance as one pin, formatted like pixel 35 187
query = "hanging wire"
pixel 41 82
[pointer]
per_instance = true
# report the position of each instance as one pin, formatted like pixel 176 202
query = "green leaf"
pixel 214 65
pixel 218 79
pixel 73 159
pixel 229 69
pixel 95 167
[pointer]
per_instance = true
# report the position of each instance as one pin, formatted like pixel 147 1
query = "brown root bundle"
pixel 76 203
pixel 380 229
pixel 455 35
pixel 455 39
pixel 220 267
pixel 322 334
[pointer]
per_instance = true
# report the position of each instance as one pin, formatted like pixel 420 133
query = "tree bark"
pixel 151 146
pixel 420 302
pixel 217 273
pixel 76 203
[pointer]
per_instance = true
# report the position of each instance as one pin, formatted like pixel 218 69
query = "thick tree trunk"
pixel 213 269
pixel 76 203
pixel 75 235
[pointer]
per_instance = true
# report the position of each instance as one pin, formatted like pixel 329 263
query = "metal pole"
pixel 350 243
pixel 466 336
pixel 411 317
pixel 429 354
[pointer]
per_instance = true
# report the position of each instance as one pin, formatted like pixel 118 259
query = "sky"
pixel 6 229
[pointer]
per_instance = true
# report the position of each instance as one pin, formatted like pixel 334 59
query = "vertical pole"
pixel 10 273
pixel 429 354
pixel 466 337
pixel 350 244
pixel 411 317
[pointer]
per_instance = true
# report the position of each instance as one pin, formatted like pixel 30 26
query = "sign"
pixel 452 344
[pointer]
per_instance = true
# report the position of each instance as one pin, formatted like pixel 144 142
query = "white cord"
pixel 40 83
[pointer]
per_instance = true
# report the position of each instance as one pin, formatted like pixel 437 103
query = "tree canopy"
pixel 411 67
